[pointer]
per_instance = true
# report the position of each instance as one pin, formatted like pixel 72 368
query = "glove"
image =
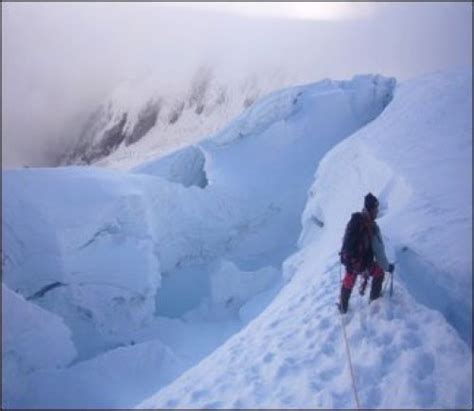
pixel 391 267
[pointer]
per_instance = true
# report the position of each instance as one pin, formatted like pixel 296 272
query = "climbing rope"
pixel 348 352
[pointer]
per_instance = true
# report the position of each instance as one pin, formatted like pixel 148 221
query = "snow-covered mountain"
pixel 207 278
pixel 149 117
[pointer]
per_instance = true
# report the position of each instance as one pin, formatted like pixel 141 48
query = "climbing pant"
pixel 374 271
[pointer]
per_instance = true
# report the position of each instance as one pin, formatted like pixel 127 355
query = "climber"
pixel 363 253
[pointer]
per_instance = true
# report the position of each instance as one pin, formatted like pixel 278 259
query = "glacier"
pixel 410 351
pixel 207 277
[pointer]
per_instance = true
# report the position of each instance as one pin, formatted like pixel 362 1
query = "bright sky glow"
pixel 295 10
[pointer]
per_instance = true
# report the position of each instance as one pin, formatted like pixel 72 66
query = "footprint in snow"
pixel 172 403
pixel 424 365
pixel 389 356
pixel 410 341
pixel 316 385
pixel 268 357
pixel 327 346
pixel 426 392
pixel 328 349
pixel 286 367
pixel 385 339
pixel 310 333
pixel 197 395
pixel 324 324
pixel 374 307
pixel 343 399
pixel 288 400
pixel 308 319
pixel 372 398
pixel 329 373
pixel 274 324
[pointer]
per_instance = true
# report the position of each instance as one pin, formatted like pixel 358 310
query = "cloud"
pixel 59 60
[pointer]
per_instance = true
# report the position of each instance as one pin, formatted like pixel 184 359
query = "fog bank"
pixel 60 60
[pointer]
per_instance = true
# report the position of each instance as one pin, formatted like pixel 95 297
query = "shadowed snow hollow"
pixel 186 166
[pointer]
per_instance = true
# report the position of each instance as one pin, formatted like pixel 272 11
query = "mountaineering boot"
pixel 376 287
pixel 363 285
pixel 344 299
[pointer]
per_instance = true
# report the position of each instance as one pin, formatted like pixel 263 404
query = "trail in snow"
pixel 294 356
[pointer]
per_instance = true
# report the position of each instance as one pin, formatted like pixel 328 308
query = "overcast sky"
pixel 59 60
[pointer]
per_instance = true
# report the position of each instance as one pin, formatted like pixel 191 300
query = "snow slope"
pixel 409 351
pixel 421 167
pixel 207 278
pixel 26 330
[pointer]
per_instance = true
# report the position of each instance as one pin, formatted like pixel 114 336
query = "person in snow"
pixel 363 252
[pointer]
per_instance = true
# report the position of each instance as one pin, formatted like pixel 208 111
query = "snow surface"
pixel 26 330
pixel 421 170
pixel 186 166
pixel 208 278
pixel 408 351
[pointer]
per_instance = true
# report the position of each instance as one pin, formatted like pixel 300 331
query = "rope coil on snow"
pixel 348 352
